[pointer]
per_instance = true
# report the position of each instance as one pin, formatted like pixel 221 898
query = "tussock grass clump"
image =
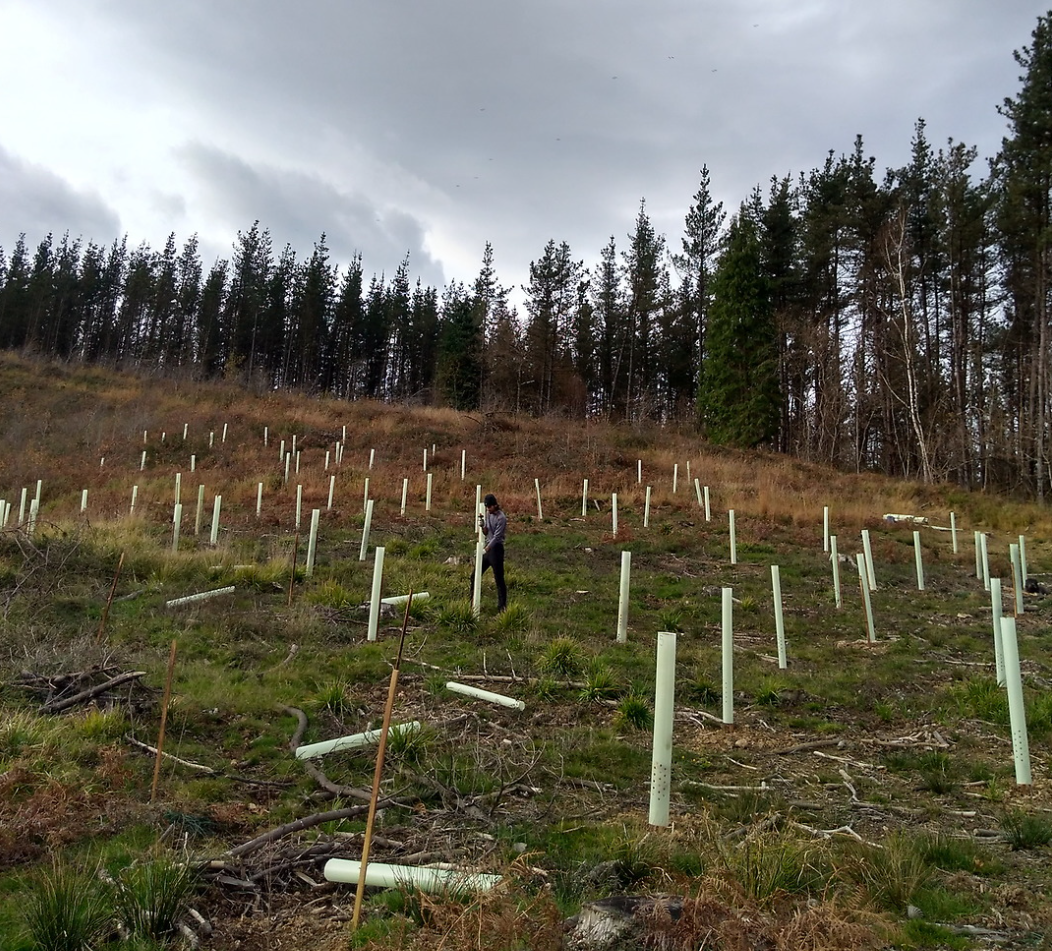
pixel 150 898
pixel 67 910
pixel 773 864
pixel 634 713
pixel 889 875
pixel 335 698
pixel 1023 830
pixel 22 732
pixel 516 618
pixel 600 684
pixel 562 657
pixel 981 698
pixel 458 617
pixel 953 854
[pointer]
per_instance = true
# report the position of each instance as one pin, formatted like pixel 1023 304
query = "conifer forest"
pixel 896 321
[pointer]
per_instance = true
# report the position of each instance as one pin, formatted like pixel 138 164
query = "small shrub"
pixel 633 713
pixel 562 657
pixel 1023 831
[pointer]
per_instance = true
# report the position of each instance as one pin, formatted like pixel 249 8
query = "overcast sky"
pixel 433 126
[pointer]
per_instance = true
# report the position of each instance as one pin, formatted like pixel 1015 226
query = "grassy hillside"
pixel 864 796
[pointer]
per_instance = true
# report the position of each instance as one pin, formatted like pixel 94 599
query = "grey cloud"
pixel 551 119
pixel 298 207
pixel 35 200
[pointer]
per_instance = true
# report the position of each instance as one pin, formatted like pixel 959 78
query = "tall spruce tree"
pixel 738 399
pixel 1023 171
pixel 551 297
pixel 612 331
pixel 342 363
pixel 646 286
pixel 702 236
pixel 459 368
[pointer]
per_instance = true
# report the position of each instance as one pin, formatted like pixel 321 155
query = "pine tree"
pixel 702 237
pixel 403 345
pixel 209 322
pixel 312 309
pixel 551 296
pixel 1023 172
pixel 646 286
pixel 738 397
pixel 343 378
pixel 613 337
pixel 244 305
pixel 178 346
pixel 424 331
pixel 14 298
pixel 459 368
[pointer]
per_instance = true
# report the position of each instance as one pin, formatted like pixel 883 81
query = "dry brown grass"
pixel 62 420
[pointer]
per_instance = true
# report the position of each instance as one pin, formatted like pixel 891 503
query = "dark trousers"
pixel 494 558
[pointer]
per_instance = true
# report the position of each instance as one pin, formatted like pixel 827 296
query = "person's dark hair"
pixel 490 499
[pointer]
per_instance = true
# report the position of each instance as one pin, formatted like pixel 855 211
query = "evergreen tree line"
pixel 898 323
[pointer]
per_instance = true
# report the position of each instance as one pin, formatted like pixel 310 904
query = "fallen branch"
pixel 808 747
pixel 55 706
pixel 829 833
pixel 152 750
pixel 850 762
pixel 763 787
pixel 307 822
pixel 208 770
pixel 351 792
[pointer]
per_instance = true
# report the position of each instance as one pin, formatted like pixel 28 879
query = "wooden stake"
pixel 367 842
pixel 164 721
pixel 109 600
pixel 292 578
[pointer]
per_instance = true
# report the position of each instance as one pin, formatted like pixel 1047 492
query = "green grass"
pixel 567 778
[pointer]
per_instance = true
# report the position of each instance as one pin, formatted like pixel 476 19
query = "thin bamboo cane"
pixel 109 600
pixel 292 577
pixel 164 721
pixel 367 842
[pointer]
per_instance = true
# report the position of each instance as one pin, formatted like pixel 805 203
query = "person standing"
pixel 494 525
